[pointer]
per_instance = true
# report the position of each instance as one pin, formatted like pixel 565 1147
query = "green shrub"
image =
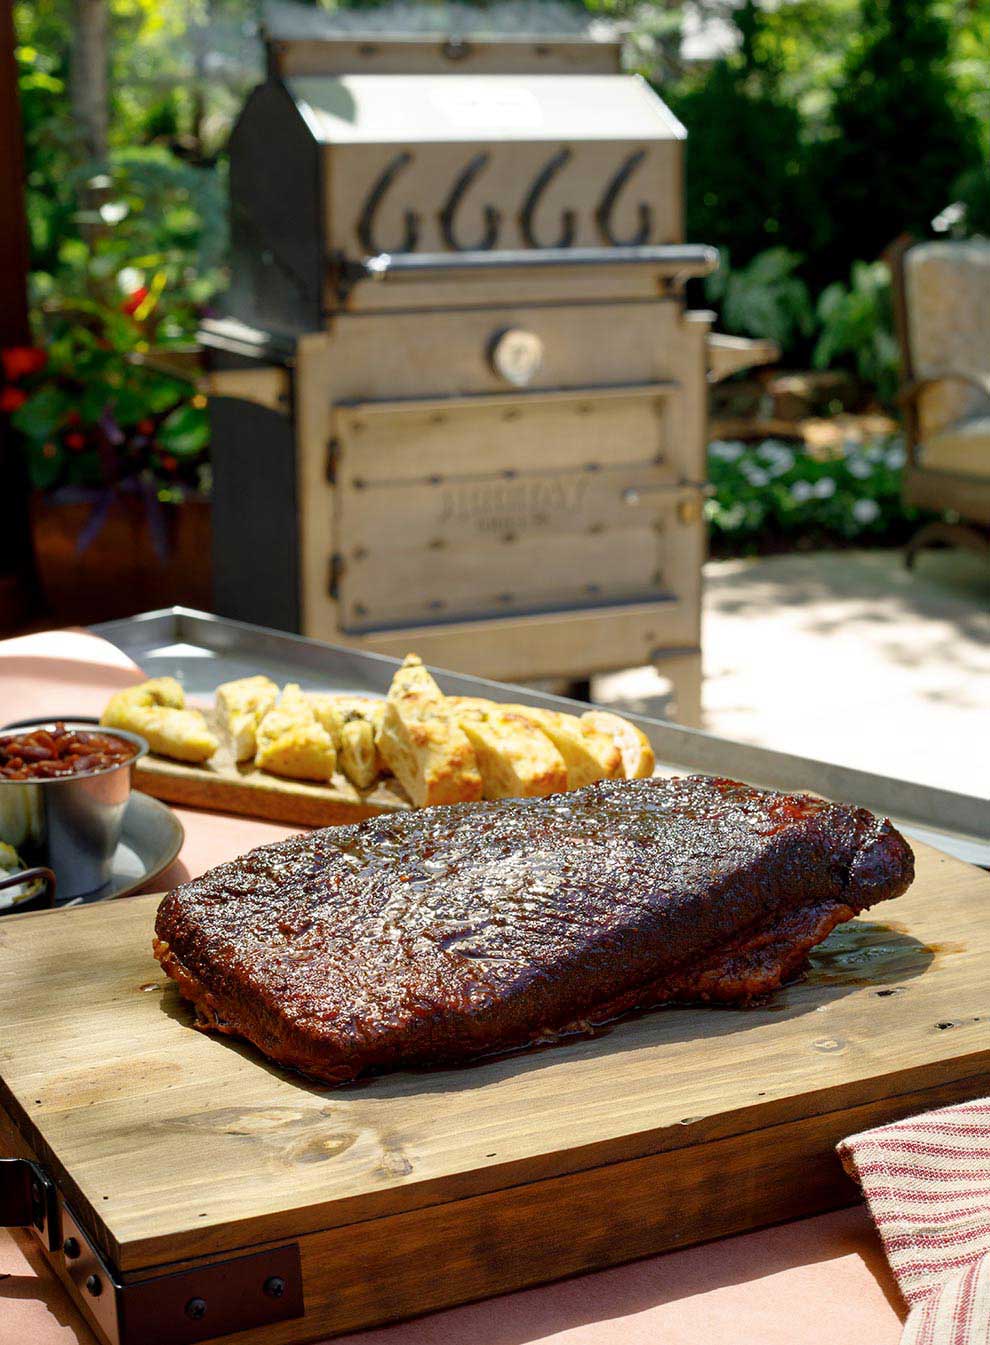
pixel 744 184
pixel 51 152
pixel 857 328
pixel 91 418
pixel 126 281
pixel 111 282
pixel 897 137
pixel 972 193
pixel 766 298
pixel 773 496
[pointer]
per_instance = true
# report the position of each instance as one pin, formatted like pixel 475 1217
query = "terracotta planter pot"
pixel 119 572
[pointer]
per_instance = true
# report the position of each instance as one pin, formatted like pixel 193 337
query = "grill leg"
pixel 682 669
pixel 579 689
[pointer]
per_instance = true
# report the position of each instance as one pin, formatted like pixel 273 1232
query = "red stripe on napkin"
pixel 927 1184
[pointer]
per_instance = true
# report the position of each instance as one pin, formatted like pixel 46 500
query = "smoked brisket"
pixel 438 935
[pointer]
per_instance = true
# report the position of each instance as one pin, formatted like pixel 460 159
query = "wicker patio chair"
pixel 942 312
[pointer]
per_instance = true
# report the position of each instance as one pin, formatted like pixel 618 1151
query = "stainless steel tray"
pixel 203 650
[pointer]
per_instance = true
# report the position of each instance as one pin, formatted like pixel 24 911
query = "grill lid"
pixel 423 109
pixel 331 170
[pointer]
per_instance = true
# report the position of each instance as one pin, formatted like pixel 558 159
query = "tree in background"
pixel 744 181
pixel 896 138
pixel 90 60
pixel 793 189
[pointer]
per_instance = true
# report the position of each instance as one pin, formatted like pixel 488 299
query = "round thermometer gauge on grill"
pixel 517 356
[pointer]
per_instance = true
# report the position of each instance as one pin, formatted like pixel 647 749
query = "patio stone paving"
pixel 848 657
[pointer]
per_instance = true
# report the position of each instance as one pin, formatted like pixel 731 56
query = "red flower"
pixel 169 463
pixel 19 361
pixel 12 398
pixel 134 300
pixel 75 441
pixel 146 426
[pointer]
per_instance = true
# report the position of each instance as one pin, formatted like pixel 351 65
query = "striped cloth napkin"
pixel 927 1184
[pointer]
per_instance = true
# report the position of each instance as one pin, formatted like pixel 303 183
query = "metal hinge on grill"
pixel 333 456
pixel 337 568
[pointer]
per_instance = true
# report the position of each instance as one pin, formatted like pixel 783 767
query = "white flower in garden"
pixel 130 279
pixel 865 511
pixel 757 477
pixel 859 468
pixel 874 452
pixel 112 212
pixel 801 492
pixel 896 457
pixel 849 446
pixel 783 463
pixel 728 450
pixel 771 449
pixel 825 488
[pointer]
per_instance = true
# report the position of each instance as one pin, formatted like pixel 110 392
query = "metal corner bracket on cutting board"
pixel 177 1308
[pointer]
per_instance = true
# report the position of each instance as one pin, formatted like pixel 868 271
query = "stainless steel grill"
pixel 458 403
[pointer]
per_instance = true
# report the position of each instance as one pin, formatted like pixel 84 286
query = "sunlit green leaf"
pixel 40 415
pixel 185 432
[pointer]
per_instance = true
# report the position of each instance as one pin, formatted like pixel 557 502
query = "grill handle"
pixel 677 261
pixel 28 1199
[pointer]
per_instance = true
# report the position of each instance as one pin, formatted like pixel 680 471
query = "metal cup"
pixel 70 823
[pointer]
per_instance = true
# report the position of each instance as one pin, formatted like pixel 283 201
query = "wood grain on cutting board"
pixel 174 1144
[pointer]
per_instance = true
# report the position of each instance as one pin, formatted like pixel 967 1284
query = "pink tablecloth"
pixel 813 1282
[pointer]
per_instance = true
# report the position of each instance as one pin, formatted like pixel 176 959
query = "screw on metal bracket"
pixel 70 1248
pixel 219 1299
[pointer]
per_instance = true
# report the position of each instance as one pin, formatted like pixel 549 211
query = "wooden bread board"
pixel 417 1191
pixel 221 785
pixel 225 788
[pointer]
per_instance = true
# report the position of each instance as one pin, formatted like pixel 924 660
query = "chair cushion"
pixel 963 448
pixel 948 302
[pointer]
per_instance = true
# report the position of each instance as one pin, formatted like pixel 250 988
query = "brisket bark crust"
pixel 438 935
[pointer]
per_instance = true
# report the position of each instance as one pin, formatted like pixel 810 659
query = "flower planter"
pixel 120 570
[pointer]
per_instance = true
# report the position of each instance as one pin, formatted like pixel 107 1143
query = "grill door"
pixel 465 508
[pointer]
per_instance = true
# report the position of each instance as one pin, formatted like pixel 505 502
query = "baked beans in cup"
pixel 47 753
pixel 64 787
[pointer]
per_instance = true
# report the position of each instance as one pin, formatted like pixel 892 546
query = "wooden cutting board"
pixel 177 1151
pixel 223 786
